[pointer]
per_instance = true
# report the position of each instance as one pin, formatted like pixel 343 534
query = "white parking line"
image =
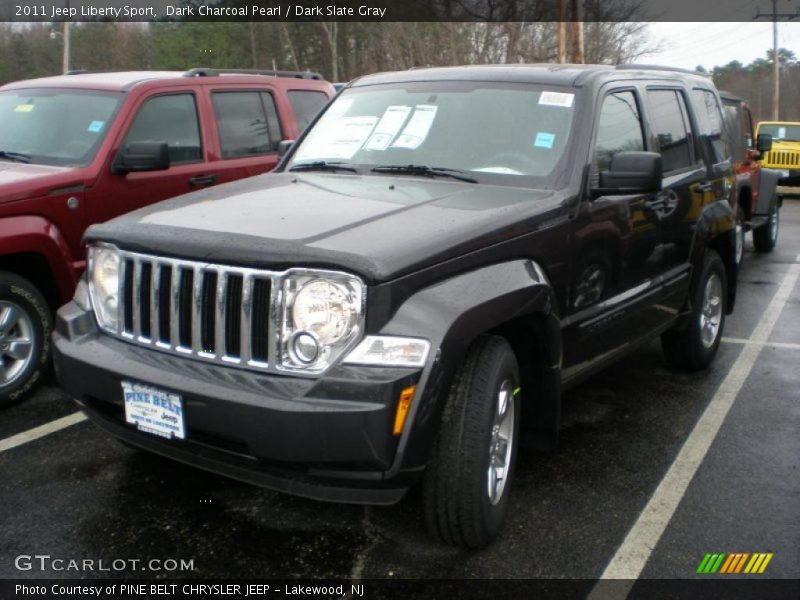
pixel 41 431
pixel 632 556
pixel 785 345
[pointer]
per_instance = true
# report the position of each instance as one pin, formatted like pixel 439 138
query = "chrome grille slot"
pixel 233 317
pixel 164 298
pixel 260 321
pixel 213 312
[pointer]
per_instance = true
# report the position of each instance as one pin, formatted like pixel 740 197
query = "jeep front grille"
pixel 213 312
pixel 782 159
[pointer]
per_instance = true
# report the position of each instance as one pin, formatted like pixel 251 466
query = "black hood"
pixel 379 227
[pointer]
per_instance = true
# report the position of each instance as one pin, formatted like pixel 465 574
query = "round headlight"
pixel 325 309
pixel 105 284
pixel 105 272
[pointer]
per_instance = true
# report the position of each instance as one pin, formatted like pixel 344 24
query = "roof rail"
pixel 207 72
pixel 634 67
pixel 77 72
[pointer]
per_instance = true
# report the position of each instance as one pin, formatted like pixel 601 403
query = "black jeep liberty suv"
pixel 437 257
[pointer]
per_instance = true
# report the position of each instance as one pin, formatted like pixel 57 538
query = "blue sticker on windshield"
pixel 95 126
pixel 544 140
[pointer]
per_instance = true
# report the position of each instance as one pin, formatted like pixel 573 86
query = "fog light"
pixel 305 347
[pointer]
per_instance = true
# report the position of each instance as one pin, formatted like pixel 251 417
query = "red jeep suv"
pixel 82 148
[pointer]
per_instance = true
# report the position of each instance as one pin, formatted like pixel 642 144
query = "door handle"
pixel 203 180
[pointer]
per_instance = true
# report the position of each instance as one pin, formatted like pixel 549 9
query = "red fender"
pixel 35 235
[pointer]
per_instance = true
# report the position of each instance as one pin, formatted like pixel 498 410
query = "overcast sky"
pixel 687 45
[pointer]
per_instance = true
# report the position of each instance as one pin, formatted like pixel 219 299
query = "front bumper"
pixel 789 185
pixel 328 438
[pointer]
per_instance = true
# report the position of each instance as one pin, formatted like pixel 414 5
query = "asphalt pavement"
pixel 78 494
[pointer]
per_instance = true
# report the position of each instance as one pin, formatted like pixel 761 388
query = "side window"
pixel 171 119
pixel 247 123
pixel 619 128
pixel 670 126
pixel 709 118
pixel 306 105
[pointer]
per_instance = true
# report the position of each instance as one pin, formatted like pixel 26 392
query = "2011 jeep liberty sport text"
pixel 437 257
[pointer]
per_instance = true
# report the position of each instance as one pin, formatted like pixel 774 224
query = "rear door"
pixel 247 129
pixel 686 186
pixel 173 117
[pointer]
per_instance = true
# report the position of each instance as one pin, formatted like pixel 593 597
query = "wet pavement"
pixel 78 494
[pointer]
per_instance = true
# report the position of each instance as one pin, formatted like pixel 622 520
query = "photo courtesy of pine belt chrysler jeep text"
pixel 437 256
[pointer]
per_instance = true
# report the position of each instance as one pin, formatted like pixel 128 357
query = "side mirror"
pixel 763 142
pixel 142 156
pixel 631 173
pixel 284 146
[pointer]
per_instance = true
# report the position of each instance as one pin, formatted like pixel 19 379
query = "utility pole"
pixel 65 57
pixel 776 72
pixel 562 31
pixel 577 32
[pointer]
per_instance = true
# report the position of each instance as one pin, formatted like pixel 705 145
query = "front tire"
pixel 25 327
pixel 467 482
pixel 765 238
pixel 692 345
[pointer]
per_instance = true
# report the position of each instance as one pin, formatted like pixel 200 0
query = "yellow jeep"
pixel 785 154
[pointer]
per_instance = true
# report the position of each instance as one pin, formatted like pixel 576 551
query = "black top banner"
pixel 394 10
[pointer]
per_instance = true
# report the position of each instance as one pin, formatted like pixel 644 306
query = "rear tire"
pixel 692 344
pixel 468 479
pixel 25 327
pixel 765 238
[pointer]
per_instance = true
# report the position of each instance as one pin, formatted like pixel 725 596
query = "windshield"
pixel 781 131
pixel 503 133
pixel 55 127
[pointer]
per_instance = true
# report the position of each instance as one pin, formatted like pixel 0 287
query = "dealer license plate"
pixel 154 411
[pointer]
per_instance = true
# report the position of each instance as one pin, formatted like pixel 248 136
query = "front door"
pixel 172 118
pixel 615 239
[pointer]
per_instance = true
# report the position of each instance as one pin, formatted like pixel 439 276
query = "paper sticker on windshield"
pixel 390 123
pixel 95 126
pixel 557 99
pixel 24 108
pixel 781 133
pixel 544 140
pixel 418 127
pixel 340 107
pixel 340 138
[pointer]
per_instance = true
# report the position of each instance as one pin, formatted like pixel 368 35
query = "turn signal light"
pixel 403 406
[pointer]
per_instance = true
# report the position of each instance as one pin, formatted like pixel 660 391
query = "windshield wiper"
pixel 424 170
pixel 322 165
pixel 15 156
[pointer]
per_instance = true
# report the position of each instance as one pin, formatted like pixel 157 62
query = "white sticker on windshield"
pixel 339 107
pixel 341 138
pixel 781 131
pixel 390 123
pixel 418 127
pixel 557 99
